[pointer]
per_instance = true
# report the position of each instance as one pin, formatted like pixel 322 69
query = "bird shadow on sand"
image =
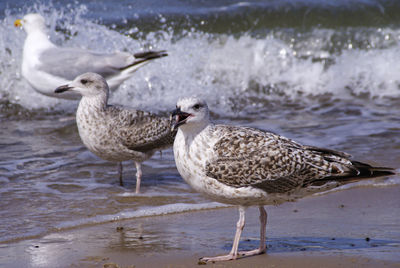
pixel 314 244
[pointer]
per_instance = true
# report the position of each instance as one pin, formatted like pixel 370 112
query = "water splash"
pixel 232 72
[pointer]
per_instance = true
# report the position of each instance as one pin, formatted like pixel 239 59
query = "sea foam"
pixel 226 70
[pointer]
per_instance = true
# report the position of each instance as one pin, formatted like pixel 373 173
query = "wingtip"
pixel 368 171
pixel 148 55
pixel 143 57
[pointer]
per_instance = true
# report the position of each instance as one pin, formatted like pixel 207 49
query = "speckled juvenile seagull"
pixel 116 133
pixel 46 66
pixel 246 166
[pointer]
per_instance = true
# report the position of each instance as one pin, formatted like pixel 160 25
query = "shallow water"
pixel 322 74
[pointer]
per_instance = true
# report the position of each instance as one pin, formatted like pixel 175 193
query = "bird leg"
pixel 121 183
pixel 234 252
pixel 263 226
pixel 138 176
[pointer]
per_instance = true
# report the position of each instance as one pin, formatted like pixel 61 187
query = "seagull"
pixel 46 66
pixel 245 166
pixel 116 133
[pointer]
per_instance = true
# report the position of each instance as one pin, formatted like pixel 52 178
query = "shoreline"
pixel 354 227
pixel 265 260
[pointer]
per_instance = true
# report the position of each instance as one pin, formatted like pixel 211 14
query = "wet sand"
pixel 358 227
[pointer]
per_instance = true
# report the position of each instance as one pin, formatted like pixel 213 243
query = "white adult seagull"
pixel 46 66
pixel 116 133
pixel 249 167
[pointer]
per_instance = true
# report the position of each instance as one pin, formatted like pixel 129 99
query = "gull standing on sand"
pixel 46 66
pixel 116 133
pixel 248 167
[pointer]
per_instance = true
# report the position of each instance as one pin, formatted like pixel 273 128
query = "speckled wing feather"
pixel 251 157
pixel 142 131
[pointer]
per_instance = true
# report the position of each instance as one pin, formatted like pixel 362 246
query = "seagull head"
pixel 31 22
pixel 87 84
pixel 190 113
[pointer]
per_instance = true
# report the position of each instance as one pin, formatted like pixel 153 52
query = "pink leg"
pixel 138 176
pixel 234 252
pixel 120 174
pixel 263 226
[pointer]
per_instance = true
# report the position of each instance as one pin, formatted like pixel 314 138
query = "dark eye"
pixel 84 81
pixel 196 106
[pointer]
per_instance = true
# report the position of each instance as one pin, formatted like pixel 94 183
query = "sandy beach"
pixel 323 73
pixel 358 227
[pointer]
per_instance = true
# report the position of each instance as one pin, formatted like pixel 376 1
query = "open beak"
pixel 63 88
pixel 178 118
pixel 18 23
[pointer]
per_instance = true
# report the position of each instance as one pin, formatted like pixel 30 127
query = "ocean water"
pixel 325 74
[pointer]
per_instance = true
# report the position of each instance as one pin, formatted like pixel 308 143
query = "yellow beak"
pixel 17 23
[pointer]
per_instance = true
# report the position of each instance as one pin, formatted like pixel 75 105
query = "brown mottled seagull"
pixel 116 133
pixel 248 167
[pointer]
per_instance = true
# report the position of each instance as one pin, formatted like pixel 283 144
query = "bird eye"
pixel 84 81
pixel 196 106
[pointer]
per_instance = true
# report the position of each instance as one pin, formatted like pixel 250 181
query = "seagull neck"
pixel 192 131
pixel 39 38
pixel 96 102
